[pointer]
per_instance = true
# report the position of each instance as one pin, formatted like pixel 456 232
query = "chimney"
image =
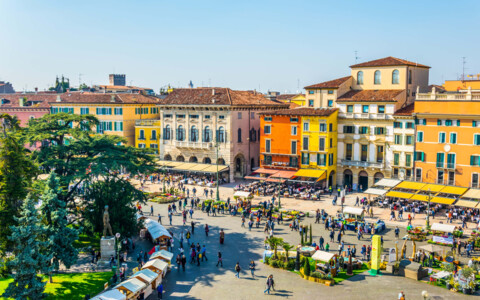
pixel 36 90
pixel 213 101
pixel 112 98
pixel 58 99
pixel 21 102
pixel 213 92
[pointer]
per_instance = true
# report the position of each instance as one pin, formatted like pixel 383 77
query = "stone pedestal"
pixel 107 247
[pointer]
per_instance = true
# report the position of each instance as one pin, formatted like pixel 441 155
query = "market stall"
pixel 131 288
pixel 110 295
pixel 442 234
pixel 158 233
pixel 164 255
pixel 149 278
pixel 326 262
pixel 156 265
pixel 350 217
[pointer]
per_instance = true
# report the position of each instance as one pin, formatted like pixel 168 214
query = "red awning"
pixel 284 174
pixel 265 171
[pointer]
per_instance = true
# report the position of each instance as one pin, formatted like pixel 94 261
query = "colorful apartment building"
pixel 147 134
pixel 447 149
pixel 117 113
pixel 26 106
pixel 298 99
pixel 461 85
pixel 302 141
pixel 403 145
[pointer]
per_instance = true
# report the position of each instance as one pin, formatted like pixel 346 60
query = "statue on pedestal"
pixel 106 223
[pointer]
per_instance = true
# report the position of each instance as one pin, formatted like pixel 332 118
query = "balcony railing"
pixel 150 122
pixel 374 116
pixel 450 165
pixel 194 145
pixel 440 164
pixel 363 164
pixel 280 164
pixel 474 185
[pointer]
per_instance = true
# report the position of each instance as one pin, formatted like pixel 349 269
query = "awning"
pixel 455 190
pixel 353 210
pixel 387 182
pixel 442 200
pixel 396 194
pixel 213 169
pixel 318 174
pixel 433 248
pixel 466 203
pixel 284 174
pixel 434 188
pixel 162 254
pixel 443 227
pixel 169 163
pixel 419 197
pixel 411 185
pixel 156 230
pixel 158 264
pixel 199 167
pixel 472 194
pixel 184 167
pixel 134 285
pixel 145 275
pixel 110 295
pixel 265 171
pixel 374 191
pixel 323 256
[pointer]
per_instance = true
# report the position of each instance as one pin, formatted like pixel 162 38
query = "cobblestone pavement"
pixel 210 282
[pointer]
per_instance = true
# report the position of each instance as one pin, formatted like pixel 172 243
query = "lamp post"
pixel 117 247
pixel 163 170
pixel 218 182
pixel 428 209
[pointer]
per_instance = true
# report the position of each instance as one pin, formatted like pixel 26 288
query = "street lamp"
pixel 163 170
pixel 117 247
pixel 218 182
pixel 429 198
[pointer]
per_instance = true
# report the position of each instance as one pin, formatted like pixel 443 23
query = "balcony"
pixel 362 164
pixel 451 166
pixel 371 116
pixel 150 122
pixel 280 164
pixel 193 145
pixel 440 164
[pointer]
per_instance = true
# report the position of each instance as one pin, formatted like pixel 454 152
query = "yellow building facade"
pixel 147 134
pixel 457 85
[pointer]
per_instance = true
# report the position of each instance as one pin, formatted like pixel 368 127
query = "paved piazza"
pixel 210 282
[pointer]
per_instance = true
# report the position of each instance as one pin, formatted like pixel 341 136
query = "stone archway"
pixel 347 177
pixel 221 161
pixel 331 179
pixel 193 159
pixel 207 160
pixel 239 165
pixel 180 158
pixel 362 180
pixel 377 177
pixel 167 157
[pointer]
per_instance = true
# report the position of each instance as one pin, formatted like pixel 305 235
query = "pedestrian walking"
pixel 204 253
pixel 160 290
pixel 206 230
pixel 151 210
pixel 184 261
pixel 270 284
pixel 159 219
pixel 222 236
pixel 252 268
pixel 219 261
pixel 237 269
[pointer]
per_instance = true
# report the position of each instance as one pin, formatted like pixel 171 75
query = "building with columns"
pixel 195 121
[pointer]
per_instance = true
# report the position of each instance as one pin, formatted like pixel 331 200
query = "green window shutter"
pixel 121 126
pixel 474 123
pixel 472 160
pixel 423 156
pixel 439 122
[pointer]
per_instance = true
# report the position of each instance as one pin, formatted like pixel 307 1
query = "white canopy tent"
pixel 156 265
pixel 156 230
pixel 353 210
pixel 387 182
pixel 323 256
pixel 133 285
pixel 110 295
pixel 443 227
pixel 375 191
pixel 163 255
pixel 242 194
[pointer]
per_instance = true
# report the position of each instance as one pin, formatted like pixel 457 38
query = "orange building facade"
pixel 447 148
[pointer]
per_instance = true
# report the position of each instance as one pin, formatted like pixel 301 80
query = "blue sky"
pixel 263 45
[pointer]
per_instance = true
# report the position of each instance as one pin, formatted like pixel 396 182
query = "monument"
pixel 107 243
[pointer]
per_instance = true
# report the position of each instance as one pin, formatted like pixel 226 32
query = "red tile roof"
pixel 406 111
pixel 388 61
pixel 97 98
pixel 332 84
pixel 219 96
pixel 370 96
pixel 302 111
pixel 438 88
pixel 287 96
pixel 31 100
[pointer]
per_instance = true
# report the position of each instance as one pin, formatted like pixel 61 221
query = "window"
pixel 207 117
pixel 154 110
pixel 440 176
pixel 453 138
pixel 252 115
pixel 330 103
pixel 349 152
pixel 360 78
pixel 239 115
pixel 180 133
pixel 267 159
pixel 305 126
pixel 440 159
pixel 142 146
pixel 180 116
pixel 141 134
pixel 323 127
pixel 321 159
pixel 409 76
pixel 349 108
pixel 167 116
pixel 310 103
pixel 166 132
pixel 268 119
pixel 305 143
pixel 305 159
pixel 420 136
pixel 330 127
pixel 118 111
pixel 419 156
pixel 409 140
pixel 395 77
pixel 474 180
pixel 439 122
pixel 321 144
pixel 330 92
pixel 331 143
pixel 194 116
pixel 451 178
pixel 293 147
pixel 84 110
pixel 268 146
pixel 448 123
pixel 408 160
pixel 474 123
pixel 396 159
pixel 365 109
pixel 107 111
pixel 267 129
pixel 363 130
pixel 364 153
pixel 207 134
pixel 222 117
pixel 397 125
pixel 154 135
pixel 379 130
pixel 118 126
pixel 293 161
pixel 377 77
pixel 330 159
pixel 239 135
pixel 193 134
pixel 221 135
pixel 451 161
pixel 474 160
pixel 398 139
pixel 476 139
pixel 441 137
pixel 311 92
pixel 418 174
pixel 294 130
pixel 348 129
pixel 409 125
pixel 379 154
pixel 294 120
pixel 381 109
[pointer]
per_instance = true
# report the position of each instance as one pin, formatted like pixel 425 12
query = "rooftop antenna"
pixel 298 85
pixel 356 56
pixel 79 79
pixel 463 65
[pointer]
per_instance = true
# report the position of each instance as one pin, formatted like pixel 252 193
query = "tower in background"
pixel 117 79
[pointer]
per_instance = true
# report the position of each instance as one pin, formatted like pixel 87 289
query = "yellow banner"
pixel 376 252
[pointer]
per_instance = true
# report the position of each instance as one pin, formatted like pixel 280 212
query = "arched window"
pixel 193 159
pixel 253 135
pixel 207 134
pixel 377 77
pixel 180 158
pixel 166 132
pixel 360 77
pixel 239 135
pixel 193 134
pixel 167 157
pixel 154 135
pixel 395 77
pixel 207 160
pixel 221 135
pixel 141 134
pixel 180 133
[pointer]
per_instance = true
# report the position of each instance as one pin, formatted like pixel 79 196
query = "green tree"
pixel 287 247
pixel 306 267
pixel 77 155
pixel 311 239
pixel 274 242
pixel 120 196
pixel 16 173
pixel 30 258
pixel 60 235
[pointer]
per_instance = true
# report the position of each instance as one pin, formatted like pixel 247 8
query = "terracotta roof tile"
pixel 388 61
pixel 94 98
pixel 287 96
pixel 31 100
pixel 438 88
pixel 218 96
pixel 370 96
pixel 406 111
pixel 302 111
pixel 332 84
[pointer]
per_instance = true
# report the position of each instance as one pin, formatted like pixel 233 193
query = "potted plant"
pixel 450 283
